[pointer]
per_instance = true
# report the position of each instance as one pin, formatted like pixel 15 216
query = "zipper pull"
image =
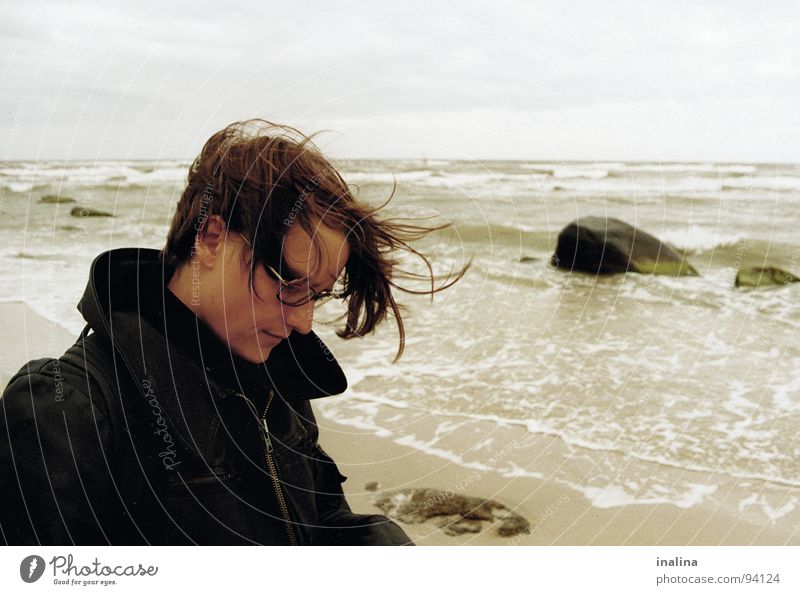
pixel 266 434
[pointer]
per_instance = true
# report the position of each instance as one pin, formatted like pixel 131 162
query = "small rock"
pixel 87 212
pixel 528 259
pixel 457 513
pixel 54 199
pixel 372 486
pixel 758 276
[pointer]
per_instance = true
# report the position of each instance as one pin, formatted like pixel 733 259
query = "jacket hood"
pixel 301 367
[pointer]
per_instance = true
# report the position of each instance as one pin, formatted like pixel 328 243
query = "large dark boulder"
pixel 87 212
pixel 603 245
pixel 761 276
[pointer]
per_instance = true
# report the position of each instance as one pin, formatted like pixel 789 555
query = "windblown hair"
pixel 261 178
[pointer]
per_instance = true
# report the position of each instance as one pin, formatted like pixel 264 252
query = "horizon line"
pixel 426 159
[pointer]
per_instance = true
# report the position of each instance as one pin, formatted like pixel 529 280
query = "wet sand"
pixel 558 514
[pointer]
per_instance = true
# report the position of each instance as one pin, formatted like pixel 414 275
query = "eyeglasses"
pixel 299 292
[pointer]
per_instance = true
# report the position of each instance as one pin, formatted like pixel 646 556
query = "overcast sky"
pixel 710 81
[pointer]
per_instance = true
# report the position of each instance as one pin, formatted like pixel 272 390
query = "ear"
pixel 209 244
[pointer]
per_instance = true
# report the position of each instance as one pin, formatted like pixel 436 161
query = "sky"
pixel 566 80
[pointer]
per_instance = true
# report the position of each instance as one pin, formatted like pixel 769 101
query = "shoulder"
pixel 54 392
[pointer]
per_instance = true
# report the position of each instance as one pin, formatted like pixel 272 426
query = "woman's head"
pixel 260 181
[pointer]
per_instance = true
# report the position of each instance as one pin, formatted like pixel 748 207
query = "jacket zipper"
pixel 273 472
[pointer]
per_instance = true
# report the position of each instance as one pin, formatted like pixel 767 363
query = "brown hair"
pixel 261 178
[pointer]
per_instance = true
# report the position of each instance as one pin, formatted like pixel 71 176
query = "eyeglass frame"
pixel 312 296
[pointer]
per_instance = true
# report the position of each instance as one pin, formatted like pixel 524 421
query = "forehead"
pixel 320 258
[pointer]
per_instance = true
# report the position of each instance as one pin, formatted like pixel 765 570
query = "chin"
pixel 256 354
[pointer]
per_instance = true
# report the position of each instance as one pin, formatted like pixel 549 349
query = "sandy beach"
pixel 28 336
pixel 557 514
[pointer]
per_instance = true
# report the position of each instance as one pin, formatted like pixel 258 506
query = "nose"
pixel 299 318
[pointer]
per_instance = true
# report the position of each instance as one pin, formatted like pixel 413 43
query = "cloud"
pixel 148 79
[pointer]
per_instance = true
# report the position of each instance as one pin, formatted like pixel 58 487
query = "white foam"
pixel 696 239
pixel 158 175
pixel 18 187
pixel 612 496
pixel 786 396
pixel 427 447
pixel 361 422
pixel 446 427
pixel 575 440
pixel 514 470
pixel 489 179
pixel 579 172
pixel 641 188
pixel 385 177
pixel 690 168
pixel 23 178
pixel 774 514
pixel 777 182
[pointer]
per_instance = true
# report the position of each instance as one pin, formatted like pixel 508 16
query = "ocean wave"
pixel 338 413
pixel 505 234
pixel 385 177
pixel 580 172
pixel 651 476
pixel 449 180
pixel 639 186
pixel 697 239
pixel 21 187
pixel 23 178
pixel 689 168
pixel 539 169
pixel 483 179
pixel 777 183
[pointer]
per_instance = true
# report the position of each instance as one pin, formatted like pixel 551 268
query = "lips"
pixel 271 336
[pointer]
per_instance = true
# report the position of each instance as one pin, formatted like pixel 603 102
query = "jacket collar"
pixel 301 367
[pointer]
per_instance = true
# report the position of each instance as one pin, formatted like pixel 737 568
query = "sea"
pixel 631 389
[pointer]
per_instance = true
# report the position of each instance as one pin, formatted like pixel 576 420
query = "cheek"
pixel 244 311
pixel 233 304
pixel 247 311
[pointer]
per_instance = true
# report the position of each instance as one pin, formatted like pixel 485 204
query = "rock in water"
pixel 759 276
pixel 54 199
pixel 602 245
pixel 87 212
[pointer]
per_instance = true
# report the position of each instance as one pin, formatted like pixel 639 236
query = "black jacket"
pixel 139 436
